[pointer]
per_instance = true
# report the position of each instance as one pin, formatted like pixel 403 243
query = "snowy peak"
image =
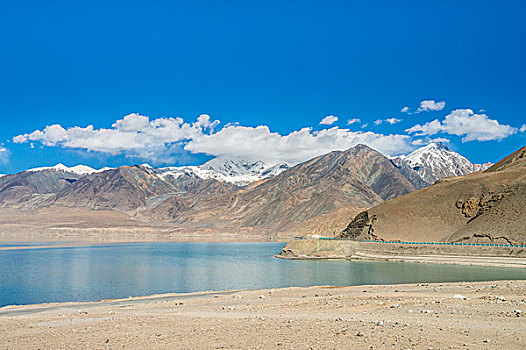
pixel 242 172
pixel 238 172
pixel 231 167
pixel 436 161
pixel 78 169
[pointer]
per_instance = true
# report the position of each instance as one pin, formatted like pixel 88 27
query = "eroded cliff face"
pixel 476 206
pixel 360 227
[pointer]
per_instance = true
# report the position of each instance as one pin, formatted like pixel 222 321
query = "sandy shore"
pixel 488 315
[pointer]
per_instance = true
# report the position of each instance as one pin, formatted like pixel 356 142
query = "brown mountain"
pixel 125 188
pixel 358 177
pixel 481 207
pixel 29 188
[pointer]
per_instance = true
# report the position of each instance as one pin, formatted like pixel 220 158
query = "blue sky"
pixel 283 66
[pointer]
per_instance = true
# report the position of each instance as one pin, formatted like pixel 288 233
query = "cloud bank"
pixel 134 135
pixel 166 140
pixel 298 146
pixel 159 140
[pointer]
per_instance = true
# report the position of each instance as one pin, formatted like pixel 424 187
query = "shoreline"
pixel 440 315
pixel 509 257
pixel 43 307
pixel 424 259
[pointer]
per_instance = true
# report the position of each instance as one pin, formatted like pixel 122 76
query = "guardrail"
pixel 432 243
pixel 452 243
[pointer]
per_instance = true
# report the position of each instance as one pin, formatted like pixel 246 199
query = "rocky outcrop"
pixel 360 226
pixel 475 206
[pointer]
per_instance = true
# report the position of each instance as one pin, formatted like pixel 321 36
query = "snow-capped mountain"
pixel 78 169
pixel 430 163
pixel 436 161
pixel 238 172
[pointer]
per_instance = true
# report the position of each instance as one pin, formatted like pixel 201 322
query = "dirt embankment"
pixel 440 254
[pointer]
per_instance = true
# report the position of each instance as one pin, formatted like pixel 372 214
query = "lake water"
pixel 133 269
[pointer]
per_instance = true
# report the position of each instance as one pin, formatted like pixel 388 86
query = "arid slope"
pixel 483 207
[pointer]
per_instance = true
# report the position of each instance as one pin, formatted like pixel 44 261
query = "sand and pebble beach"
pixel 475 315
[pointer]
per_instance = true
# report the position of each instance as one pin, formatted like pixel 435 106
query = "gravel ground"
pixel 483 315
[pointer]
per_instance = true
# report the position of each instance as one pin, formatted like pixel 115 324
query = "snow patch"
pixel 235 171
pixel 78 169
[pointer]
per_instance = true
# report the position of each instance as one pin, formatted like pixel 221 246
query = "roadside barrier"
pixel 431 243
pixel 452 243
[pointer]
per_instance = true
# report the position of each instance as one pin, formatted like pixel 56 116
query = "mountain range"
pixel 227 194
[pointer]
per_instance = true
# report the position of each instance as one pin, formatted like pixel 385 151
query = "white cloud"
pixel 431 105
pixel 523 128
pixel 404 109
pixel 298 146
pixel 352 121
pixel 388 120
pixel 463 122
pixel 393 120
pixel 134 135
pixel 329 120
pixel 4 155
pixel 160 140
pixel 365 125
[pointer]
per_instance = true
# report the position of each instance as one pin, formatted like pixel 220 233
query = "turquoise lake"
pixel 109 271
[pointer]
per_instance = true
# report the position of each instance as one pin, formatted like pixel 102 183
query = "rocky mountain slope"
pixel 358 177
pixel 29 188
pixel 483 207
pixel 125 188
